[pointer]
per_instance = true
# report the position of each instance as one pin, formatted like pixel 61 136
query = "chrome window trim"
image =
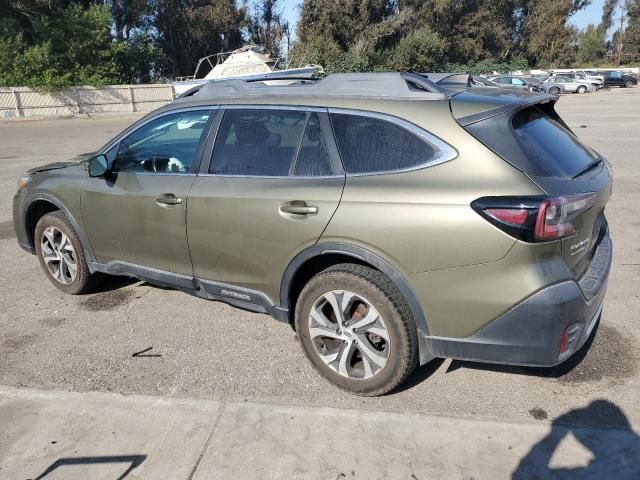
pixel 302 108
pixel 156 174
pixel 128 132
pixel 251 106
pixel 281 177
pixel 443 151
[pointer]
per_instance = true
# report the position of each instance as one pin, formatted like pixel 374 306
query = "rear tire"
pixel 61 255
pixel 370 345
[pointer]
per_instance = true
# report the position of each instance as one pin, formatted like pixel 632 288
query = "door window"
pixel 271 143
pixel 167 144
pixel 516 81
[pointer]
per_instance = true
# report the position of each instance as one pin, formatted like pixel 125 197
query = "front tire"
pixel 61 255
pixel 628 84
pixel 582 89
pixel 356 329
pixel 554 91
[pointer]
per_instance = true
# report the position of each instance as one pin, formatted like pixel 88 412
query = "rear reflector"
pixel 508 215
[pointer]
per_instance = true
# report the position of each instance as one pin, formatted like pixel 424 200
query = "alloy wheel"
pixel 59 255
pixel 349 334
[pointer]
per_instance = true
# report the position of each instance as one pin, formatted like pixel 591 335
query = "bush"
pixel 420 51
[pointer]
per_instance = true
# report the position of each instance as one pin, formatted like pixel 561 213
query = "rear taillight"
pixel 534 218
pixel 555 215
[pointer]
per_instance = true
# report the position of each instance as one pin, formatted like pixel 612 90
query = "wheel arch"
pixel 41 204
pixel 320 256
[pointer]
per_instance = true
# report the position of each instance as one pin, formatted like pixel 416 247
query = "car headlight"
pixel 22 182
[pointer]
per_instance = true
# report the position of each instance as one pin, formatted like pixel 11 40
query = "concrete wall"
pixel 26 102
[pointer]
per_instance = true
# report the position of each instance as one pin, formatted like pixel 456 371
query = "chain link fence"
pixel 26 102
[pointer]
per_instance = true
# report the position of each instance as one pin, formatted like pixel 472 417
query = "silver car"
pixel 558 85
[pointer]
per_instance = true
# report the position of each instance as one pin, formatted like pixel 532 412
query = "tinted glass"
pixel 555 150
pixel 165 145
pixel 313 157
pixel 260 142
pixel 516 81
pixel 369 144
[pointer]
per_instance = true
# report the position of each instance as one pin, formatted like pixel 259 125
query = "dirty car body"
pixel 465 224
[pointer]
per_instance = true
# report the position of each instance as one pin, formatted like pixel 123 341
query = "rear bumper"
pixel 530 333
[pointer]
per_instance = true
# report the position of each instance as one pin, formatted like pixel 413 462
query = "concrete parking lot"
pixel 211 351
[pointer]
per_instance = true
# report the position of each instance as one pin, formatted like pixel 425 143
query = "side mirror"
pixel 98 166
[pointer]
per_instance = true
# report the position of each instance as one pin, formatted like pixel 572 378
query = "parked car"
pixel 557 85
pixel 479 81
pixel 515 83
pixel 388 220
pixel 619 79
pixel 583 78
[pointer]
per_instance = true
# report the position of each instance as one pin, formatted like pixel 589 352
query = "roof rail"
pixel 371 85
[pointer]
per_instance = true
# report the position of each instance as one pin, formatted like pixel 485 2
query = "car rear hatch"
pixel 526 131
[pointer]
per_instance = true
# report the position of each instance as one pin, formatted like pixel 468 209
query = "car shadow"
pixel 419 375
pixel 113 282
pixel 134 461
pixel 615 451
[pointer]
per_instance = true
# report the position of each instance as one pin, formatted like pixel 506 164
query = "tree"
pixel 266 26
pixel 632 32
pixel 46 45
pixel 188 30
pixel 127 15
pixel 592 47
pixel 549 40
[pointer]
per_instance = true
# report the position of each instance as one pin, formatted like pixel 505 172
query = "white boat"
pixel 248 63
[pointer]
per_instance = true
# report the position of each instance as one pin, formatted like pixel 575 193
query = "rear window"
pixel 555 150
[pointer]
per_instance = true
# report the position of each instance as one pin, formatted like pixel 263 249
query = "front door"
pixel 137 214
pixel 270 190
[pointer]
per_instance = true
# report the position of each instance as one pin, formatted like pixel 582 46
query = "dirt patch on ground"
pixel 538 413
pixel 52 321
pixel 612 357
pixel 6 230
pixel 107 300
pixel 19 342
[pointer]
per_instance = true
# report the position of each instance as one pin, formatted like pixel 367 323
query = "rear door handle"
pixel 168 199
pixel 299 208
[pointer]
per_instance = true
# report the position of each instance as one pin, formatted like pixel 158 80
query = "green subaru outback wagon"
pixel 387 219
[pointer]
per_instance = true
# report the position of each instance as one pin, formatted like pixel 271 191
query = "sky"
pixel 590 14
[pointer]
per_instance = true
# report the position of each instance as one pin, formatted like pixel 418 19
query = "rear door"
pixel 269 190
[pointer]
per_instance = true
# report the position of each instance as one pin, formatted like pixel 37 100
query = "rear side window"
pixel 260 142
pixel 556 151
pixel 272 143
pixel 369 145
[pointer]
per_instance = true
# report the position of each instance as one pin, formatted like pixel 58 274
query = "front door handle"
pixel 168 199
pixel 299 208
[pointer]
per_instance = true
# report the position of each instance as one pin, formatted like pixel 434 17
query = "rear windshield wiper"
pixel 591 166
